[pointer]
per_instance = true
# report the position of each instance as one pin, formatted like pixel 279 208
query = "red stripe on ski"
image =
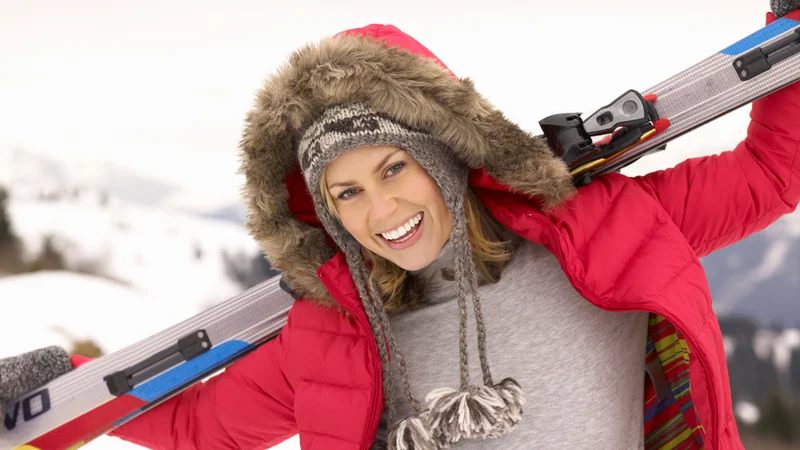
pixel 88 425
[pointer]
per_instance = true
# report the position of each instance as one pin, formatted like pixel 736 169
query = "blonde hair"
pixel 399 291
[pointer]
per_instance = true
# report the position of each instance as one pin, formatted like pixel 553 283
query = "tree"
pixel 49 259
pixel 6 230
pixel 10 245
pixel 777 419
pixel 248 270
pixel 78 346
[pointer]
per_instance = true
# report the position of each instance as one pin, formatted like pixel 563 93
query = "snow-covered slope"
pixel 176 256
pixel 759 277
pixel 86 306
pixel 30 174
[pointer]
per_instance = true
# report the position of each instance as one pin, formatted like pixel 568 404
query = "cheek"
pixel 433 198
pixel 354 222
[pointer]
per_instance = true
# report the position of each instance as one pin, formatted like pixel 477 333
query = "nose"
pixel 383 204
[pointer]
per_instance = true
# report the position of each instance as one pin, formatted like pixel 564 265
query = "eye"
pixel 394 169
pixel 346 194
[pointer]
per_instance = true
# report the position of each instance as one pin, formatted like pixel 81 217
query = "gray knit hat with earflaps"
pixel 470 411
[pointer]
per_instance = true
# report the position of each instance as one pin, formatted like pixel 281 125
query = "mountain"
pixel 759 277
pixel 31 175
pixel 235 212
pixel 155 251
pixel 135 229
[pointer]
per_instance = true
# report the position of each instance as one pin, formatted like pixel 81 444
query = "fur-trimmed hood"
pixel 393 74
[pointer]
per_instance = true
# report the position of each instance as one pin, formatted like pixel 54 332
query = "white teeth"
pixel 403 229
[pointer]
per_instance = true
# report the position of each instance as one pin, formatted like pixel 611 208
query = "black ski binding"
pixel 187 348
pixel 629 117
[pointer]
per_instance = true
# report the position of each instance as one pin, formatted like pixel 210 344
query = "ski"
pixel 107 392
pixel 103 394
pixel 636 124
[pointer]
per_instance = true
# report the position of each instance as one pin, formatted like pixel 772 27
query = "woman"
pixel 420 227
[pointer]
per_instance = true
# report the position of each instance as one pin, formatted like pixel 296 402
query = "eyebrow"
pixel 377 168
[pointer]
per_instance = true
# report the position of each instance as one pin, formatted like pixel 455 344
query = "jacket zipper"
pixel 374 351
pixel 678 324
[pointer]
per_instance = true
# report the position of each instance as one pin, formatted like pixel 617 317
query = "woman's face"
pixel 390 204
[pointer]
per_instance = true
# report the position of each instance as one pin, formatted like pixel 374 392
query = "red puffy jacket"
pixel 626 244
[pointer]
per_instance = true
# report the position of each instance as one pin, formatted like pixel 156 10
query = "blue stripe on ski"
pixel 188 370
pixel 179 375
pixel 777 27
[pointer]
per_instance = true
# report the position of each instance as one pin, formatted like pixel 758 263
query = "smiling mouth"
pixel 408 230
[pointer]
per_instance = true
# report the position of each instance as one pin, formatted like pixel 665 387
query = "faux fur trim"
pixel 413 89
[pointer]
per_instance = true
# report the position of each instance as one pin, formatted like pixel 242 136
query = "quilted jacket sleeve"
pixel 248 406
pixel 717 200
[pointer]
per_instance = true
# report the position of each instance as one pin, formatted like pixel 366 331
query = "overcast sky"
pixel 162 87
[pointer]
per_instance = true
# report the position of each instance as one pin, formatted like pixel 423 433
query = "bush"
pixel 777 419
pixel 50 258
pixel 10 245
pixel 77 346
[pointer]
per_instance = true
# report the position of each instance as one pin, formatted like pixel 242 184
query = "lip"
pixel 410 241
pixel 398 224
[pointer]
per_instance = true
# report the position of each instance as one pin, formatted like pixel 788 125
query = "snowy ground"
pixel 156 251
pixel 87 307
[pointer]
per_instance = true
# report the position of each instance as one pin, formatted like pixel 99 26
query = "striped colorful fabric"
pixel 670 420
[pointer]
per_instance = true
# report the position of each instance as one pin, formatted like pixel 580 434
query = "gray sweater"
pixel 582 369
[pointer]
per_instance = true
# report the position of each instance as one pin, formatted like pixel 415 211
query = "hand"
pixel 25 372
pixel 782 7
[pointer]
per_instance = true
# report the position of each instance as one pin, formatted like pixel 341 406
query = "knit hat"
pixel 470 411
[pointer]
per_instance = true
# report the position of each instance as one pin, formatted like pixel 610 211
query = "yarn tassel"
pixel 479 412
pixel 413 433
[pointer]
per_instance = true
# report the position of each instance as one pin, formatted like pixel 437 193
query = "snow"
pixel 783 346
pixel 747 412
pixel 777 345
pixel 763 342
pixel 729 344
pixel 110 313
pixel 157 251
pixel 89 307
pixel 743 285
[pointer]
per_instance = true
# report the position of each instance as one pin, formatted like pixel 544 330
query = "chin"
pixel 414 266
pixel 417 263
